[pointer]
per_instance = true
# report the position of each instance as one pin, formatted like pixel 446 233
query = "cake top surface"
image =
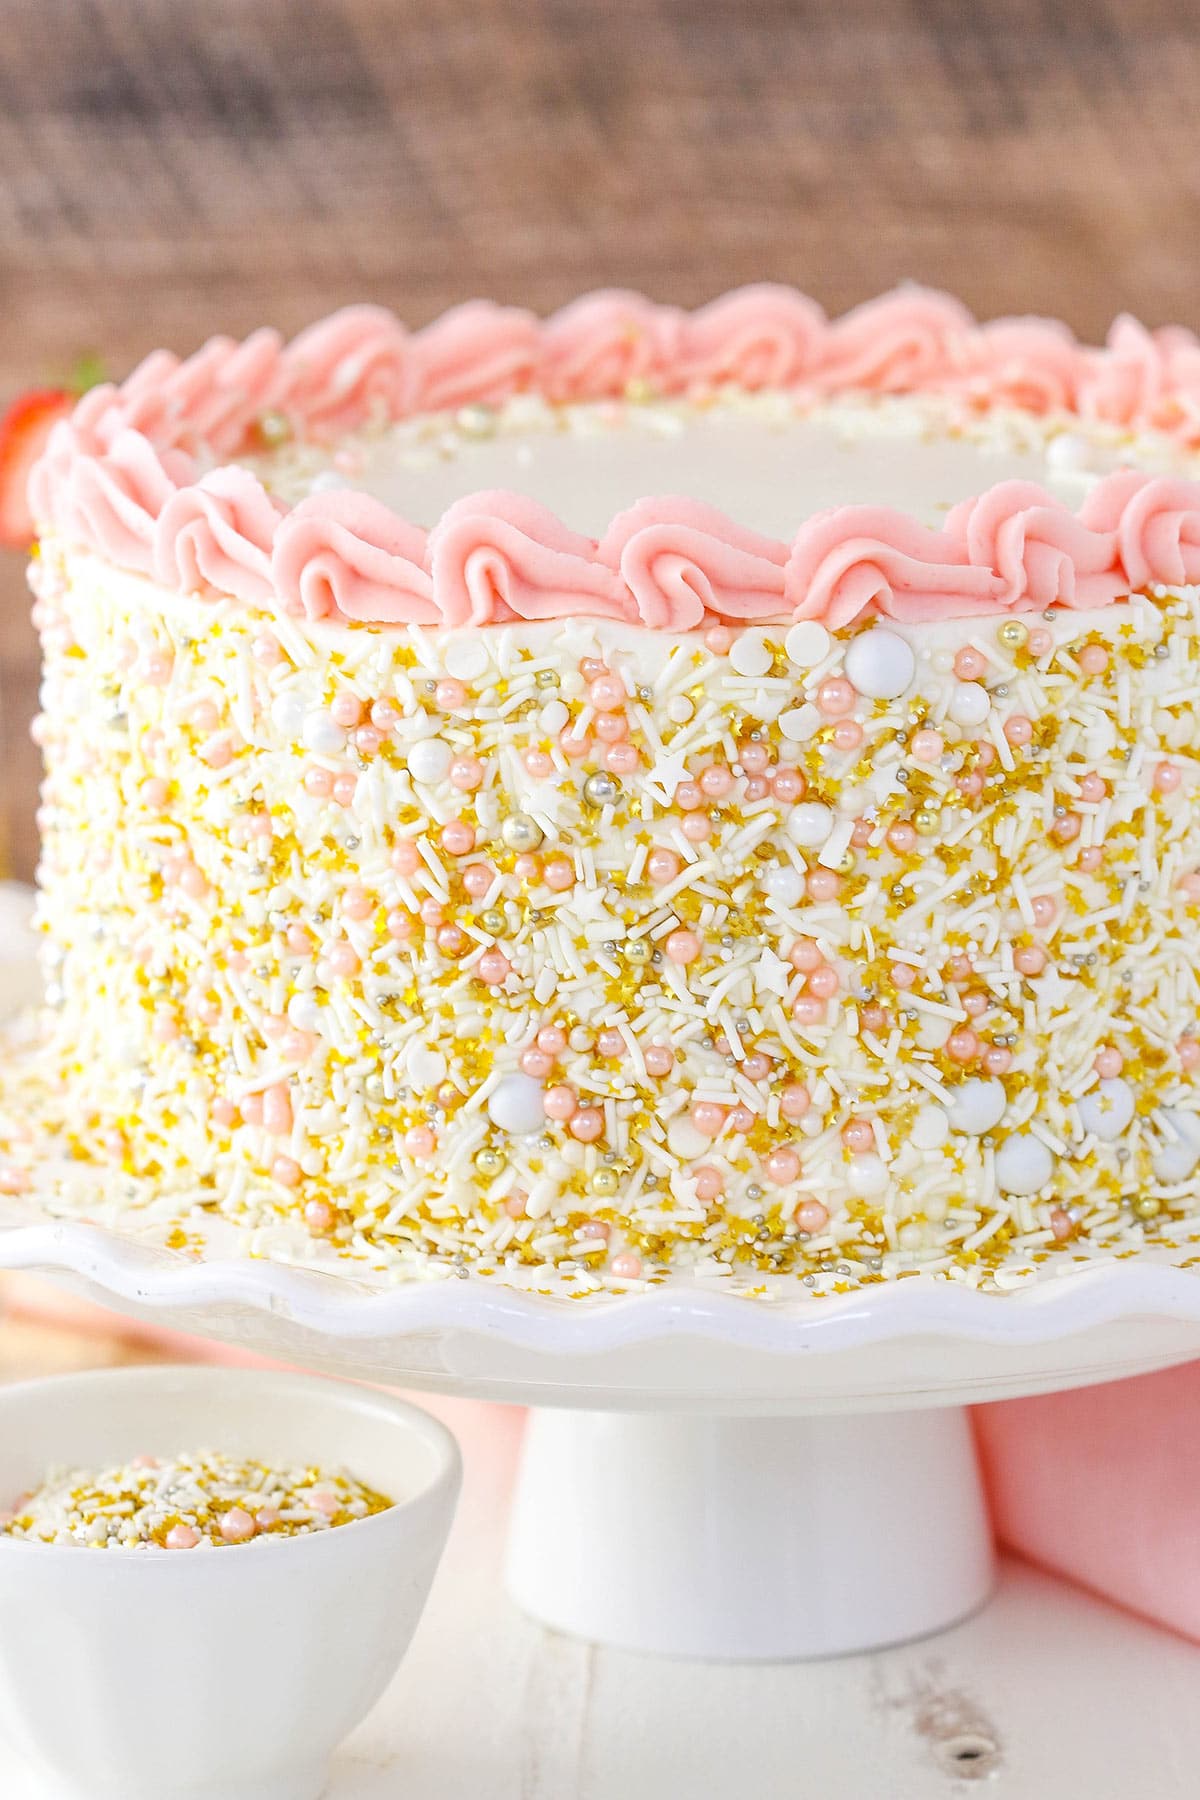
pixel 751 460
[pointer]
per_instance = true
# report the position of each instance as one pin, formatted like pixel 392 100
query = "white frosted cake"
pixel 629 796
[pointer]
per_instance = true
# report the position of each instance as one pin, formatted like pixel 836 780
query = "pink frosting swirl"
pixel 1031 364
pixel 1044 553
pixel 757 337
pixel 500 555
pixel 476 353
pixel 1155 521
pixel 216 536
pixel 211 400
pixel 912 338
pixel 855 559
pixel 681 561
pixel 341 371
pixel 343 555
pixel 594 348
pixel 112 502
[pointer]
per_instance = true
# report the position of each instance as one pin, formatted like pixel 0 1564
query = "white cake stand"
pixel 703 1475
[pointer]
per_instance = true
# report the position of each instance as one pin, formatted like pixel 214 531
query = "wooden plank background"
pixel 168 169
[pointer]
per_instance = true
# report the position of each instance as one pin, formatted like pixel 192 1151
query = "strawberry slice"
pixel 24 429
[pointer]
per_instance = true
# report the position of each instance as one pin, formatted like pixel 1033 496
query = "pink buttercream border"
pixel 122 475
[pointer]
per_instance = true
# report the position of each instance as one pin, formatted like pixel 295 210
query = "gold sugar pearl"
pixel 927 822
pixel 493 920
pixel 1013 635
pixel 638 951
pixel 488 1161
pixel 520 832
pixel 605 1182
pixel 1147 1207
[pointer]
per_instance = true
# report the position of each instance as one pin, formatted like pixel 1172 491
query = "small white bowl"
pixel 225 1674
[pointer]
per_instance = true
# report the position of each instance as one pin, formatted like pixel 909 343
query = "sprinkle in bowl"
pixel 219 1670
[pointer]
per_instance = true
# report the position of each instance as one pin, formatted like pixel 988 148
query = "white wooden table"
pixel 1045 1695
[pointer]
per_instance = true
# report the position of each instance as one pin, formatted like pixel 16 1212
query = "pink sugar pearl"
pixel 708 1117
pixel 606 693
pixel 596 1229
pixel 277 1109
pixel 610 728
pixel 1091 858
pixel 559 873
pixel 451 940
pixel 458 838
pixel 538 764
pixel 969 663
pixel 238 1526
pixel 252 1110
pixel 610 1043
pixel 717 639
pixel 318 783
pixel 811 1217
pixel 985 753
pixel 962 1046
pixel 560 1102
pixel 399 925
pixel 740 1120
pixel 346 711
pixel 959 967
pixel 1029 959
pixel 286 1171
pixel 477 879
pixel 659 1060
pixel 975 1002
pixel 222 1112
pixel 466 773
pixel 357 903
pixel 527 867
pixel 1093 659
pixel 697 828
pixel 808 1010
pixel 847 735
pixel 969 784
pixel 205 716
pixel 782 1166
pixel 535 1062
pixel 822 885
pixel 1109 1063
pixel 1043 909
pixel 182 1537
pixel 405 858
pixel 1067 829
pixel 552 1039
pixel 709 1182
pixel 794 1100
pixel 627 1266
pixel 902 838
pixel 587 1124
pixel 368 741
pixel 156 669
pixel 343 958
pixel 754 758
pixel 265 650
pixel 757 787
pixel 1093 788
pixel 385 715
pixel 835 697
pixel 1060 1224
pixel 757 1066
pixel 1018 730
pixel 592 667
pixel 622 759
pixel 344 789
pixel 297 1046
pixel 715 781
pixel 997 1061
pixel 1040 642
pixel 323 1500
pixel 431 912
pixel 926 746
pixel 662 866
pixel 266 1517
pixel 858 1136
pixel 788 786
pixel 420 1142
pixel 1189 1051
pixel 874 1017
pixel 824 982
pixel 574 747
pixel 194 882
pixel 319 1216
pixel 493 968
pixel 683 947
pixel 689 795
pixel 449 695
pixel 1167 778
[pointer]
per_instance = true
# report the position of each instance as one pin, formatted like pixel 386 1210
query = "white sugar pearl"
pixel 807 643
pixel 800 723
pixel 1107 1110
pixel 680 709
pixel 880 664
pixel 322 735
pixel 554 717
pixel 932 1031
pixel 784 884
pixel 425 1068
pixel 429 760
pixel 304 1012
pixel 466 657
pixel 1179 1155
pixel 1023 1164
pixel 684 1140
pixel 970 703
pixel 750 654
pixel 977 1106
pixel 515 1104
pixel 930 1129
pixel 868 1174
pixel 809 824
pixel 1068 453
pixel 288 714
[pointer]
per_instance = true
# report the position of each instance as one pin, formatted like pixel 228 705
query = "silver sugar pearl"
pixel 520 832
pixel 601 789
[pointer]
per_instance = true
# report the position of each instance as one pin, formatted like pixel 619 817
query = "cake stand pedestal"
pixel 703 1476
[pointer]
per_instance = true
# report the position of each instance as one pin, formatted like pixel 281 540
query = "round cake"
pixel 626 796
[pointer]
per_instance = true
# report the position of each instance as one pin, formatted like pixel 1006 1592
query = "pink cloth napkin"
pixel 1103 1486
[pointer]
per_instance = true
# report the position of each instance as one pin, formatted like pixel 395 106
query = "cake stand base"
pixel 749 1539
